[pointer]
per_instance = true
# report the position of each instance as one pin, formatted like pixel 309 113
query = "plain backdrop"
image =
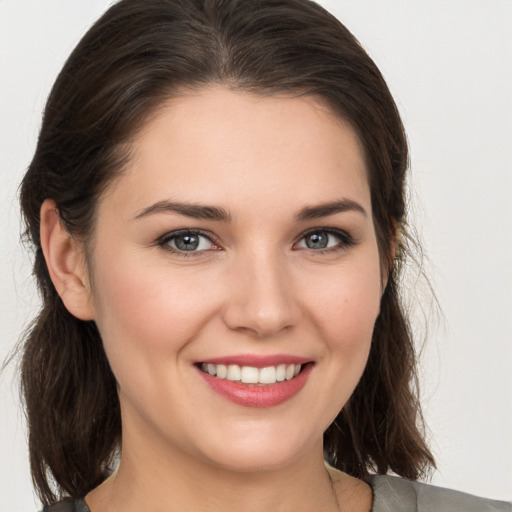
pixel 449 65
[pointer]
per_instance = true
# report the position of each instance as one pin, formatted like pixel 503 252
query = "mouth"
pixel 265 376
pixel 261 385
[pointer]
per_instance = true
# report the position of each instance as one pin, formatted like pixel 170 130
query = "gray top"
pixel 393 494
pixel 390 494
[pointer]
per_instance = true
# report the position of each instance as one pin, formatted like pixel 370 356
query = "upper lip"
pixel 256 360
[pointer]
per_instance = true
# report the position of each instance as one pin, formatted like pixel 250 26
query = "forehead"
pixel 225 147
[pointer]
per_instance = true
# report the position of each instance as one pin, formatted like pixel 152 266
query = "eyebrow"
pixel 330 208
pixel 195 211
pixel 205 212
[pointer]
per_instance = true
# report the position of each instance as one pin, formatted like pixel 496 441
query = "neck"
pixel 149 481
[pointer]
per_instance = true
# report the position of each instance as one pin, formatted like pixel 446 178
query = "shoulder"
pixel 67 506
pixel 393 494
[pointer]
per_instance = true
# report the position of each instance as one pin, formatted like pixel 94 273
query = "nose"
pixel 261 299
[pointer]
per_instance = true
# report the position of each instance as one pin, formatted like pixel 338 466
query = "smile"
pixel 256 382
pixel 252 374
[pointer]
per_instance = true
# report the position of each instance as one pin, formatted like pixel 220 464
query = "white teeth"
pixel 234 372
pixel 267 375
pixel 251 374
pixel 281 373
pixel 222 371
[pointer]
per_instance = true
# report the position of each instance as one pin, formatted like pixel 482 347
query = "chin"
pixel 257 460
pixel 261 450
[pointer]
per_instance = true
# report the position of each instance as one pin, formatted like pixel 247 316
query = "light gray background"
pixel 449 65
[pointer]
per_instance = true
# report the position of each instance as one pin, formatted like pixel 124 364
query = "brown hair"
pixel 139 53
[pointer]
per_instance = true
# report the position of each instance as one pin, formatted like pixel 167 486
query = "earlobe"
pixel 65 262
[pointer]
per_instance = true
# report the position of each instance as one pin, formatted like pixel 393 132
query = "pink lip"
pixel 254 395
pixel 258 361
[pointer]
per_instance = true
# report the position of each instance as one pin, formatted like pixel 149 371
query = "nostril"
pixel 260 320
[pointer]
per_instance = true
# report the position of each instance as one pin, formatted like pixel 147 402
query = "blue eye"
pixel 186 241
pixel 321 239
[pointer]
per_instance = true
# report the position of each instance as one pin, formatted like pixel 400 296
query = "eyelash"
pixel 164 241
pixel 345 241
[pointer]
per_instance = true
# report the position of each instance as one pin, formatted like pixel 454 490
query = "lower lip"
pixel 252 395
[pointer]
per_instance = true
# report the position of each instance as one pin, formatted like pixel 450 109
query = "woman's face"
pixel 240 237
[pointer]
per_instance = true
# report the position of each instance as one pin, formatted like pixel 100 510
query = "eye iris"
pixel 317 240
pixel 187 242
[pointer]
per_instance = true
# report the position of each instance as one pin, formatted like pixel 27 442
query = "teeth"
pixel 249 375
pixel 234 372
pixel 267 375
pixel 222 371
pixel 252 375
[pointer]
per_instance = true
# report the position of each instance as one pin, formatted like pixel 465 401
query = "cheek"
pixel 343 305
pixel 146 317
pixel 347 305
pixel 140 307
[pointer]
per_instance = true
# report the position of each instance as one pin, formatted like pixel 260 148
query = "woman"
pixel 217 206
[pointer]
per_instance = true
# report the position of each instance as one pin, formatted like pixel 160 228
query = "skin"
pixel 254 288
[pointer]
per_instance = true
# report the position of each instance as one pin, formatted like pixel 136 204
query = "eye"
pixel 186 241
pixel 321 239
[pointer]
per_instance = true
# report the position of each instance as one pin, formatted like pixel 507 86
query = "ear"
pixel 66 263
